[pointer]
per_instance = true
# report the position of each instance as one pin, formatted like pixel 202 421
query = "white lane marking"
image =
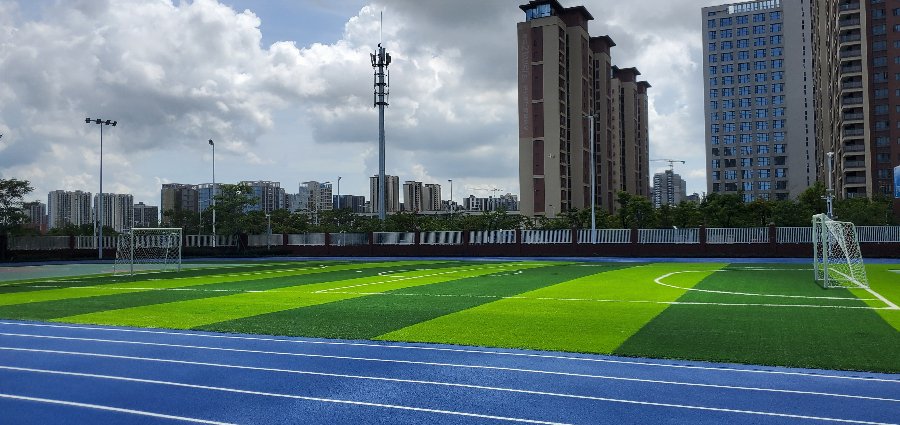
pixel 379 360
pixel 451 350
pixel 890 305
pixel 450 384
pixel 399 278
pixel 110 409
pixel 449 412
pixel 278 395
pixel 659 282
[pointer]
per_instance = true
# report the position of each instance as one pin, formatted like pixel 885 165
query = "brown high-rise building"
pixel 565 75
pixel 856 49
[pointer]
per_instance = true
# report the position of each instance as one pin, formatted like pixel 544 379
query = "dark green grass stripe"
pixel 369 316
pixel 828 338
pixel 105 279
pixel 69 307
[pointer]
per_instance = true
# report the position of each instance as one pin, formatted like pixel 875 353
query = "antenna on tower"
pixel 380 61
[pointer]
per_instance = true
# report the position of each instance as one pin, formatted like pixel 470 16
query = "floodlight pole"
pixel 450 204
pixel 211 143
pixel 99 205
pixel 338 193
pixel 593 181
pixel 269 232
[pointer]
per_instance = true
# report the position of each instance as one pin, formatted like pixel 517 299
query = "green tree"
pixel 231 205
pixel 864 211
pixel 12 193
pixel 687 214
pixel 722 210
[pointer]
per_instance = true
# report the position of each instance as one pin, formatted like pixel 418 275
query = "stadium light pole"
pixel 593 181
pixel 99 205
pixel 213 191
pixel 339 193
pixel 450 204
pixel 269 232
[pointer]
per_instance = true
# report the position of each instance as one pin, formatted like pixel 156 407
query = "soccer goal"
pixel 150 249
pixel 838 261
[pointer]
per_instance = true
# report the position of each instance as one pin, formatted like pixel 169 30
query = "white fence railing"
pixel 275 239
pixel 546 236
pixel 669 236
pixel 793 235
pixel 478 237
pixel 394 238
pixel 348 239
pixel 306 239
pixel 90 242
pixel 878 234
pixel 38 243
pixel 441 238
pixel 604 236
pixel 737 236
pixel 206 241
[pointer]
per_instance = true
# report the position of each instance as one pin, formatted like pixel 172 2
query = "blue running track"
pixel 72 374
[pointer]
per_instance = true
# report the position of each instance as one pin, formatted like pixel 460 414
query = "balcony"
pixel 852 101
pixel 849 6
pixel 851 53
pixel 854 180
pixel 854 164
pixel 853 132
pixel 851 69
pixel 850 38
pixel 846 85
pixel 848 22
pixel 849 195
pixel 853 117
pixel 854 148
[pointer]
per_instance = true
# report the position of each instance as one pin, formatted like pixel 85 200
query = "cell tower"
pixel 380 61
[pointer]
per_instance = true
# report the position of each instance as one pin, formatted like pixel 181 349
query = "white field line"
pixel 890 305
pixel 452 384
pixel 360 359
pixel 395 346
pixel 658 281
pixel 446 412
pixel 400 278
pixel 277 395
pixel 109 409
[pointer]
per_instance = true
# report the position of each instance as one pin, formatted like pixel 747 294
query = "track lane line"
pixel 454 350
pixel 110 409
pixel 447 412
pixel 451 384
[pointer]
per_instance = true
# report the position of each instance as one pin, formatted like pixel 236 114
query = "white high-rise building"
pixel 758 98
pixel 118 210
pixel 668 189
pixel 65 208
pixel 431 198
pixel 391 193
pixel 319 195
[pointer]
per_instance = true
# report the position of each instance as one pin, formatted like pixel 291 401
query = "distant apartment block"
pixel 758 99
pixel 354 203
pixel 146 215
pixel 391 193
pixel 431 198
pixel 508 202
pixel 36 213
pixel 205 195
pixel 68 208
pixel 565 75
pixel 175 197
pixel 118 210
pixel 269 195
pixel 412 196
pixel 668 189
pixel 856 50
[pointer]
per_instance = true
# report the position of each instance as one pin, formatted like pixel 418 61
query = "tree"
pixel 864 211
pixel 12 192
pixel 722 210
pixel 687 214
pixel 231 203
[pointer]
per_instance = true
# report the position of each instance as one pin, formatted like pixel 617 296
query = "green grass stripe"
pixel 167 281
pixel 885 280
pixel 830 338
pixel 189 314
pixel 43 284
pixel 369 316
pixel 70 307
pixel 595 313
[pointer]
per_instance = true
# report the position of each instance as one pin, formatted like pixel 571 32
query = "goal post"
pixel 157 248
pixel 837 260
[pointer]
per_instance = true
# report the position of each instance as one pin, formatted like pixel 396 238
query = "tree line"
pixel 234 214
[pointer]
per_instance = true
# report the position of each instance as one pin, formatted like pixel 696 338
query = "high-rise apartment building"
pixel 118 210
pixel 205 195
pixel 668 189
pixel 758 99
pixel 269 195
pixel 319 194
pixel 413 193
pixel 431 197
pixel 856 51
pixel 354 203
pixel 391 193
pixel 177 197
pixel 565 75
pixel 68 208
pixel 146 215
pixel 36 213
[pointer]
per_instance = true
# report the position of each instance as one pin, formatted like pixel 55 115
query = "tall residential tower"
pixel 758 100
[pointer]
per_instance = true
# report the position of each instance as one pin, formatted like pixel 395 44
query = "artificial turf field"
pixel 772 314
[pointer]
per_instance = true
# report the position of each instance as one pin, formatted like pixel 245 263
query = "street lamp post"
pixel 269 232
pixel 213 191
pixel 450 204
pixel 593 181
pixel 99 205
pixel 339 193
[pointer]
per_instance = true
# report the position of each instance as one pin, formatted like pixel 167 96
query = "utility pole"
pixel 380 61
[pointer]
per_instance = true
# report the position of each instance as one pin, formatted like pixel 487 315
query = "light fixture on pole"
pixel 593 181
pixel 339 193
pixel 213 191
pixel 450 204
pixel 269 232
pixel 99 205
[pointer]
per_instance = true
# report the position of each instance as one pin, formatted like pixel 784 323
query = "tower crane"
pixel 670 161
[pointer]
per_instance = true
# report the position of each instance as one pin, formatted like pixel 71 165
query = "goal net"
pixel 838 261
pixel 148 249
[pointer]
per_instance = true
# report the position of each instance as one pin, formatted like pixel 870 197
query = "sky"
pixel 284 88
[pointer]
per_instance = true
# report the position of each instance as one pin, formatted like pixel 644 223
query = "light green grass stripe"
pixel 172 281
pixel 193 313
pixel 595 313
pixel 885 280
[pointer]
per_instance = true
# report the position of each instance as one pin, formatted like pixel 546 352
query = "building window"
pixel 746 138
pixel 777 63
pixel 725 22
pixel 745 114
pixel 878 46
pixel 728 104
pixel 758 17
pixel 762 161
pixel 730 174
pixel 880 61
pixel 781 172
pixel 714 140
pixel 746 162
pixel 729 128
pixel 778 124
pixel 727 80
pixel 716 175
pixel 879 29
pixel 759 29
pixel 746 126
pixel 760 77
pixel 713 82
pixel 776 15
pixel 762 113
pixel 744 79
pixel 716 164
pixel 778 75
pixel 760 89
pixel 742 31
pixel 712 58
pixel 778 112
pixel 714 129
pixel 762 137
pixel 713 93
pixel 881 93
pixel 741 19
pixel 728 92
pixel 779 136
pixel 743 43
pixel 759 41
pixel 775 28
pixel 776 51
pixel 764 185
pixel 711 35
pixel 778 88
pixel 775 39
pixel 882 110
pixel 759 53
pixel 763 173
pixel 759 65
pixel 727 57
pixel 726 45
pixel 778 100
pixel 728 116
pixel 727 69
pixel 745 103
pixel 711 23
pixel 762 149
pixel 725 33
pixel 743 66
pixel 762 125
pixel 747 186
pixel 882 125
pixel 746 174
pixel 729 139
